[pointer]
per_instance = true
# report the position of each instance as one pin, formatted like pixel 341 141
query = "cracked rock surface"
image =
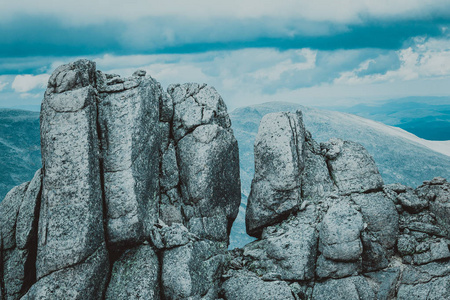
pixel 344 235
pixel 136 196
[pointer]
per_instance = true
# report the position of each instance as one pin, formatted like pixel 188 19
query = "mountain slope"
pixel 400 156
pixel 20 150
pixel 426 117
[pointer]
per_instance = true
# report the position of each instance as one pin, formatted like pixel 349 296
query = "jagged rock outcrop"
pixel 140 187
pixel 136 196
pixel 344 235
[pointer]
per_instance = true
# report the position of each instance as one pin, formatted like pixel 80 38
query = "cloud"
pixel 26 83
pixel 427 58
pixel 49 34
pixel 3 85
pixel 342 11
pixel 254 75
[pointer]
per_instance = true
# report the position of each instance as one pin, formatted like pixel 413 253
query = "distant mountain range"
pixel 400 156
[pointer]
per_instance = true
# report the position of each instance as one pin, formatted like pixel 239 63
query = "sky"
pixel 318 53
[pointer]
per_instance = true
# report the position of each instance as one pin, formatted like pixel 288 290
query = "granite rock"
pixel 279 162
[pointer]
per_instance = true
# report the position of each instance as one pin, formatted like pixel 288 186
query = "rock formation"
pixel 136 197
pixel 140 187
pixel 328 228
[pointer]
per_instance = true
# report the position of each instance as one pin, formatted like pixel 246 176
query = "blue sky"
pixel 310 52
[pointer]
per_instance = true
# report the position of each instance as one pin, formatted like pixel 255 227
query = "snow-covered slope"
pixel 401 157
pixel 438 146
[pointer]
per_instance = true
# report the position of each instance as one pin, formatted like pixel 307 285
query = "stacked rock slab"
pixel 136 196
pixel 200 188
pixel 347 236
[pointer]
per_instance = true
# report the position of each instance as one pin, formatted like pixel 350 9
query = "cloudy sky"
pixel 320 52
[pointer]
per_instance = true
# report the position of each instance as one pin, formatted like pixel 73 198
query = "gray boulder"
pixel 349 288
pixel 71 212
pixel 196 105
pixel 381 217
pixel 130 139
pixel 286 251
pixel 193 271
pixel 327 268
pixel 352 168
pixel 209 175
pixel 279 162
pixel 316 180
pixel 135 275
pixel 86 280
pixel 252 288
pixel 437 193
pixel 385 282
pixel 340 233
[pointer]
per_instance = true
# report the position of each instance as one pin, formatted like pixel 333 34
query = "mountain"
pixel 400 156
pixel 20 149
pixel 426 117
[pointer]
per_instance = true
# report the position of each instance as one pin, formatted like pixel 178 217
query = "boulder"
pixel 252 288
pixel 71 231
pixel 340 233
pixel 279 162
pixel 351 167
pixel 130 138
pixel 135 275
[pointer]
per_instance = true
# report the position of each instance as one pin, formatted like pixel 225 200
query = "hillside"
pixel 20 154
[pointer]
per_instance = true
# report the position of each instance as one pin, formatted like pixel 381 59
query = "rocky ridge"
pixel 140 187
pixel 328 228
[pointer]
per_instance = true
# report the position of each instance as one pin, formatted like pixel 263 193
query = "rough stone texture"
pixel 71 213
pixel 340 233
pixel 193 271
pixel 196 105
pixel 130 139
pixel 385 282
pixel 209 168
pixel 18 237
pixel 326 268
pixel 369 234
pixel 351 167
pixel 437 193
pixel 316 181
pixel 286 251
pixel 276 187
pixel 349 288
pixel 8 215
pixel 82 281
pixel 381 217
pixel 252 288
pixel 135 275
pixel 28 213
pixel 70 233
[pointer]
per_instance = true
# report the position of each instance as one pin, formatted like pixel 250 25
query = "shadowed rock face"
pixel 139 189
pixel 133 189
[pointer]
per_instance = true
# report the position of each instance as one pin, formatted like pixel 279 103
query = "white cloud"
pixel 3 85
pixel 26 83
pixel 255 75
pixel 275 72
pixel 426 59
pixel 340 11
